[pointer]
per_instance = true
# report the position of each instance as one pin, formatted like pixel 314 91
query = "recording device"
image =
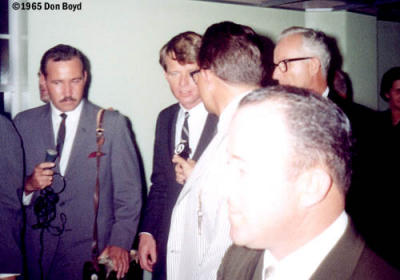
pixel 183 149
pixel 51 155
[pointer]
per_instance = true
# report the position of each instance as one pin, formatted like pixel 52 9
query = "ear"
pixel 314 66
pixel 314 186
pixel 84 76
pixel 387 95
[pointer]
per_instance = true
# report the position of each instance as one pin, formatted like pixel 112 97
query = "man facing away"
pixel 178 59
pixel 289 174
pixel 59 196
pixel 230 67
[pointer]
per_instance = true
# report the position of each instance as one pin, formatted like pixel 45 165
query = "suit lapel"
pixel 208 133
pixel 85 136
pixel 343 259
pixel 172 130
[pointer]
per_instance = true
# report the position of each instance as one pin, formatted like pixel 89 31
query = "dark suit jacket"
pixel 349 259
pixel 120 191
pixel 11 182
pixel 164 190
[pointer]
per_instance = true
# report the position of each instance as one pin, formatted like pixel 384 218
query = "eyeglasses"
pixel 194 75
pixel 282 65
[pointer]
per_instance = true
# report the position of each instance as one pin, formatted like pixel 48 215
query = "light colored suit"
pixel 120 191
pixel 195 250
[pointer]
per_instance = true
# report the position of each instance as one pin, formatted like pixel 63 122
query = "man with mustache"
pixel 59 195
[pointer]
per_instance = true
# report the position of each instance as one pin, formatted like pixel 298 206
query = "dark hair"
pixel 233 52
pixel 388 78
pixel 183 48
pixel 320 130
pixel 62 53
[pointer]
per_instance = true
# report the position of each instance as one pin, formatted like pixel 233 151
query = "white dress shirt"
pixel 302 263
pixel 196 245
pixel 197 118
pixel 71 126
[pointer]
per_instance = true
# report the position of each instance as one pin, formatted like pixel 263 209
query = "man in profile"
pixel 59 197
pixel 230 66
pixel 185 124
pixel 302 58
pixel 289 172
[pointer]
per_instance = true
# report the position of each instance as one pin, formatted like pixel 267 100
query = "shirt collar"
pixel 74 114
pixel 227 114
pixel 326 92
pixel 195 110
pixel 314 252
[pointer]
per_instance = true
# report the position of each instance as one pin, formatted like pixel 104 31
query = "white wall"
pixel 122 39
pixel 388 36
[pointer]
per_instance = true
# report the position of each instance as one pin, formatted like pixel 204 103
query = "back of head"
pixel 62 53
pixel 388 78
pixel 233 52
pixel 320 130
pixel 314 42
pixel 183 48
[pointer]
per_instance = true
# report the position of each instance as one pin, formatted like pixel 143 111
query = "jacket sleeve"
pixel 126 180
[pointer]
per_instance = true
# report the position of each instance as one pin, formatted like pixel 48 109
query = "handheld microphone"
pixel 51 155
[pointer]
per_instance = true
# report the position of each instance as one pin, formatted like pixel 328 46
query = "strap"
pixel 100 141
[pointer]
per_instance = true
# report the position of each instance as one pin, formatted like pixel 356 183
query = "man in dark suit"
pixel 178 59
pixel 11 183
pixel 59 196
pixel 290 170
pixel 302 58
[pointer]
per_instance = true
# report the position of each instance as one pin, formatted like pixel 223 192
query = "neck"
pixel 227 92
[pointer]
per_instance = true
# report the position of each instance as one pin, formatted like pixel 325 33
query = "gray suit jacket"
pixel 349 259
pixel 11 180
pixel 120 191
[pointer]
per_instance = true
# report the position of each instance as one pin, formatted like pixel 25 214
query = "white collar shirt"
pixel 302 263
pixel 71 126
pixel 326 92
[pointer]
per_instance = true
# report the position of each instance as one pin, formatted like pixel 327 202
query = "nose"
pixel 68 90
pixel 184 79
pixel 276 74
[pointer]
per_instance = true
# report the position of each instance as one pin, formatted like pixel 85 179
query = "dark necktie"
pixel 185 137
pixel 61 134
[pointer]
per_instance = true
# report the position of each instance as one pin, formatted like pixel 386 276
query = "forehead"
pixel 396 84
pixel 259 131
pixel 73 64
pixel 290 47
pixel 174 64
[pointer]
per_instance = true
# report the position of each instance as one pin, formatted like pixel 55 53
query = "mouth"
pixel 68 100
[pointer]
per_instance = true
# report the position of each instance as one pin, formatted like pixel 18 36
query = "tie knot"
pixel 63 116
pixel 187 115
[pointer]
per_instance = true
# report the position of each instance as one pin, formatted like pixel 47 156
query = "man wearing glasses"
pixel 184 128
pixel 302 59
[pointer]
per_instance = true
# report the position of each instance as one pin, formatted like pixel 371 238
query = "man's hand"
pixel 147 252
pixel 183 168
pixel 119 258
pixel 41 177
